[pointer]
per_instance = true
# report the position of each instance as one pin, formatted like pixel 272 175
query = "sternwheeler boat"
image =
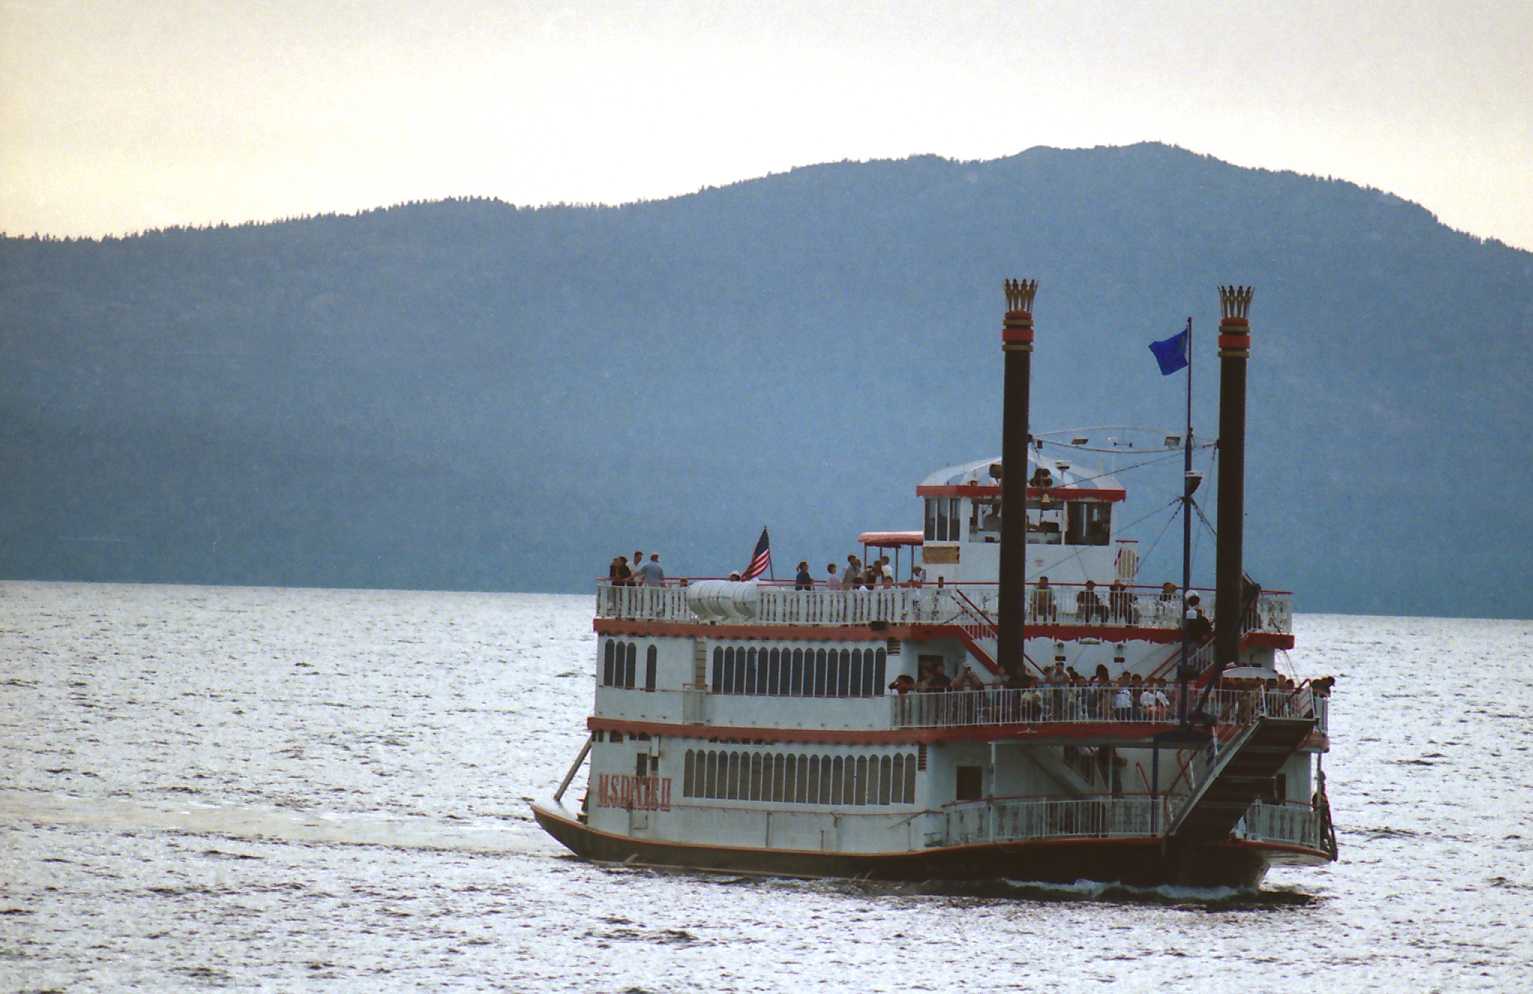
pixel 1020 707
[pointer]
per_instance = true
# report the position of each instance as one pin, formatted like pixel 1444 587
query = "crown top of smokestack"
pixel 1019 295
pixel 1236 301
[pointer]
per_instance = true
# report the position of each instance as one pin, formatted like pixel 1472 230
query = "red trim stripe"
pixel 992 490
pixel 1039 733
pixel 907 633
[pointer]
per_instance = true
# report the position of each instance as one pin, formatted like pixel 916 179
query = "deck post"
pixel 564 784
pixel 1234 355
pixel 1017 347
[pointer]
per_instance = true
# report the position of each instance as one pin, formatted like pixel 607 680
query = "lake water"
pixel 268 789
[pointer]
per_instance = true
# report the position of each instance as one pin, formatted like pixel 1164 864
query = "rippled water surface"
pixel 326 790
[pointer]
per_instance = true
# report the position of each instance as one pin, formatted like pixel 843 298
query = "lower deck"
pixel 1140 860
pixel 875 800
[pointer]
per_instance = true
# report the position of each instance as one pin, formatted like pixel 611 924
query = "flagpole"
pixel 771 569
pixel 1186 534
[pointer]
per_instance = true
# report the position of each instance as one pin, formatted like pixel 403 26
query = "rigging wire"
pixel 1139 465
pixel 1082 550
pixel 1170 520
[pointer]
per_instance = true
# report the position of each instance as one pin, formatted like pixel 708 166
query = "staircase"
pixel 1052 764
pixel 977 632
pixel 1239 773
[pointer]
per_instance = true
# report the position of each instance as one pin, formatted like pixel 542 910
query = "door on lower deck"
pixel 971 782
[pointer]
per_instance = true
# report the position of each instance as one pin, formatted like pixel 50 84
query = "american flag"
pixel 761 559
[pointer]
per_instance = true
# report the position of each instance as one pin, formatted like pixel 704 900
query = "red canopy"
pixel 890 540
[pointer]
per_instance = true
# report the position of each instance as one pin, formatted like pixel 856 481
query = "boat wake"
pixel 255 824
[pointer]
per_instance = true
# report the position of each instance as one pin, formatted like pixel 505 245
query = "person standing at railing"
pixel 803 581
pixel 1199 628
pixel 933 677
pixel 1123 700
pixel 650 574
pixel 1044 608
pixel 619 575
pixel 1088 606
pixel 1120 603
pixel 968 680
pixel 914 585
pixel 1165 604
pixel 832 579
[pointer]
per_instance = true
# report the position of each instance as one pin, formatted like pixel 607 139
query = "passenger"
pixel 618 573
pixel 650 574
pixel 832 578
pixel 853 571
pixel 933 678
pixel 734 576
pixel 1030 701
pixel 888 583
pixel 1121 603
pixel 1099 694
pixel 968 680
pixel 1088 606
pixel 1198 626
pixel 1044 608
pixel 917 576
pixel 903 684
pixel 803 581
pixel 1123 702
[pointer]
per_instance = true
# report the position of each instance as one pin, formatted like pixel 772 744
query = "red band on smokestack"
pixel 1023 335
pixel 1235 342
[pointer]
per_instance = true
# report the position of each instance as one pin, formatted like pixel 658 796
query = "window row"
pixel 619 664
pixel 799 779
pixel 800 672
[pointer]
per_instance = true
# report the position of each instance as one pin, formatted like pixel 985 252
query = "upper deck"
pixel 1060 610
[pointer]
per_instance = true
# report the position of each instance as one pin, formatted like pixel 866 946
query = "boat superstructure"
pixel 1088 729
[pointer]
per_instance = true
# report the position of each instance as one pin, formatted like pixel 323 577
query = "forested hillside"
pixel 468 395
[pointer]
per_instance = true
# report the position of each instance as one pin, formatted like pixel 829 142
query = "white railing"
pixel 1140 816
pixel 1013 820
pixel 1296 824
pixel 895 605
pixel 1093 704
pixel 1064 604
pixel 668 603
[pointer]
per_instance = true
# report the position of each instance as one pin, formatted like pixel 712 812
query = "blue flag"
pixel 1171 353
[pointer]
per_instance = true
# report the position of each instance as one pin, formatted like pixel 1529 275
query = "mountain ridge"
pixel 407 396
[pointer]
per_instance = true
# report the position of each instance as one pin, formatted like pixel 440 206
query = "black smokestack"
pixel 1234 355
pixel 1017 347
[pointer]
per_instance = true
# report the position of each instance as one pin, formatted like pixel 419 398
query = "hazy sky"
pixel 119 116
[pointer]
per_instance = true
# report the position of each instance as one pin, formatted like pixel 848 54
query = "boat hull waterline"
pixel 1143 862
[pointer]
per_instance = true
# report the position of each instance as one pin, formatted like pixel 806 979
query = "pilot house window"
pixel 1088 522
pixel 942 519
